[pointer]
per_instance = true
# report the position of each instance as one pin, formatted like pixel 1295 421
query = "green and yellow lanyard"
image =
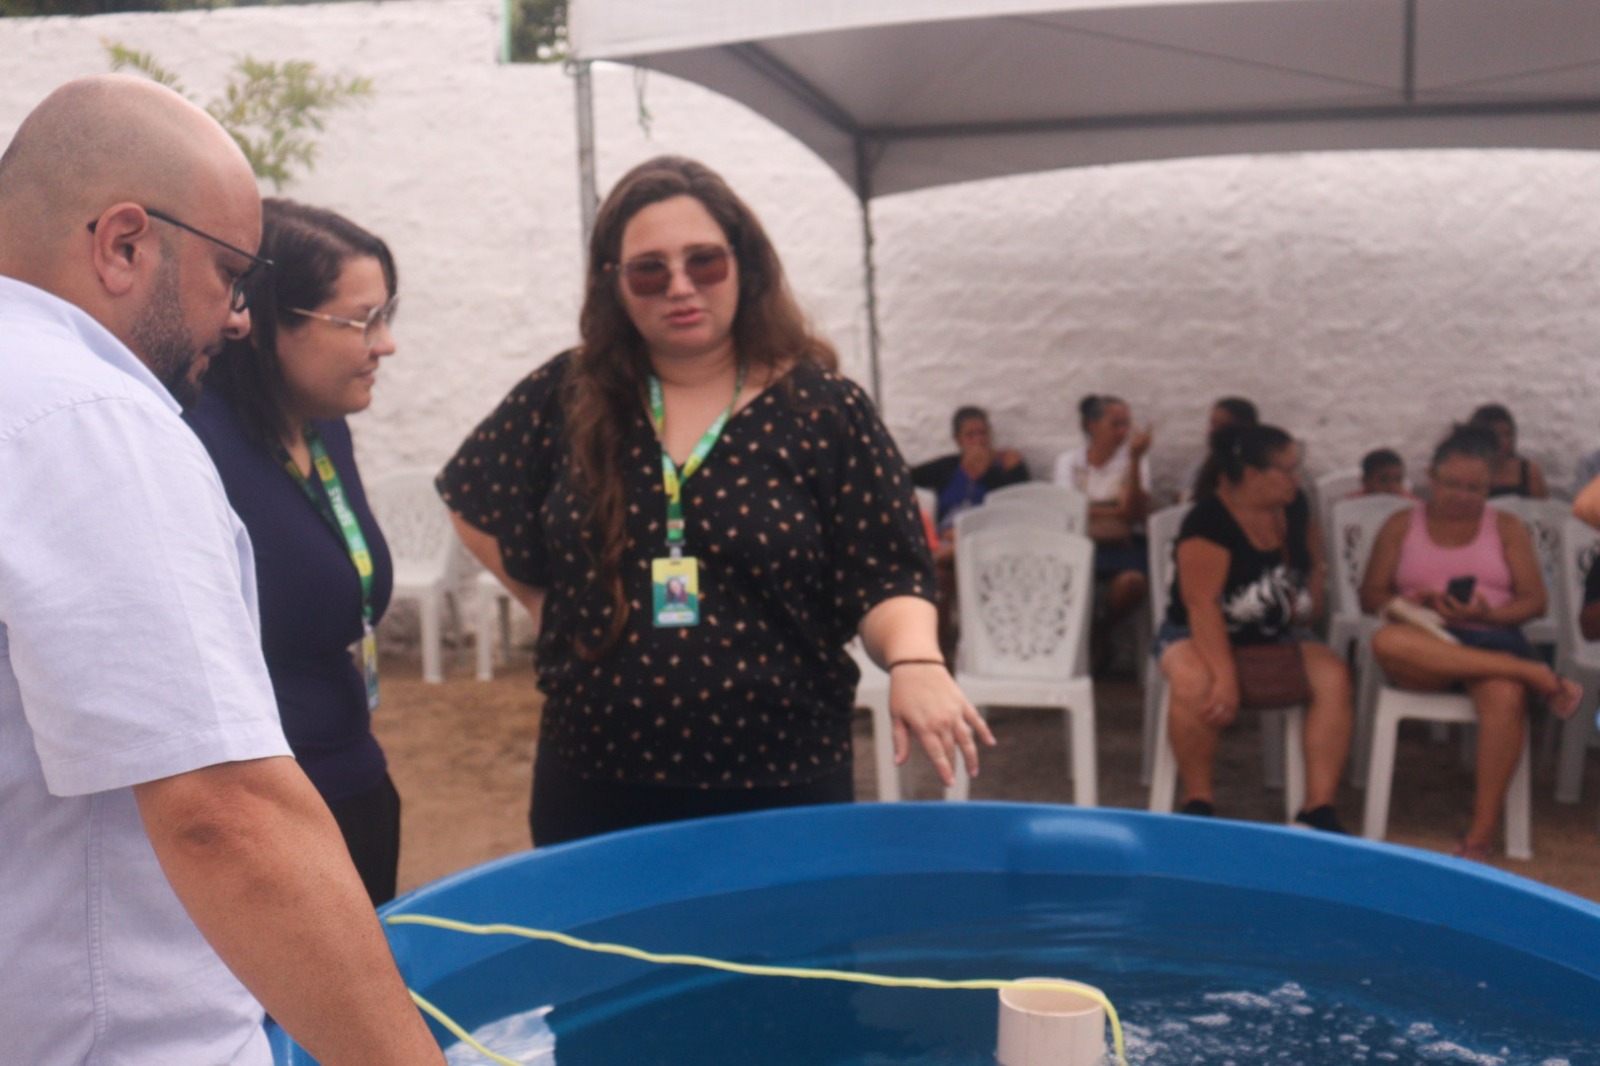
pixel 675 579
pixel 335 510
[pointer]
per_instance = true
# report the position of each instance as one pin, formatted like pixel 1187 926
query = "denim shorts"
pixel 1510 641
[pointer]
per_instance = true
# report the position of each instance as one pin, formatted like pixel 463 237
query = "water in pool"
pixel 1202 976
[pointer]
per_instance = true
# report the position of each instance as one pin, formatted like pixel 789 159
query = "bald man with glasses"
pixel 167 868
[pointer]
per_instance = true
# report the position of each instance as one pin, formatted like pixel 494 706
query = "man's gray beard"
pixel 161 339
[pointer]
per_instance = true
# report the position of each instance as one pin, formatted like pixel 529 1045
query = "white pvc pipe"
pixel 1048 1025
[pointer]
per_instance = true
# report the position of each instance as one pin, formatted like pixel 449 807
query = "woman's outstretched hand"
pixel 925 703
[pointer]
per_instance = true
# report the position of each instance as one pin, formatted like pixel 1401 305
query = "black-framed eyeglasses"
pixel 242 281
pixel 382 315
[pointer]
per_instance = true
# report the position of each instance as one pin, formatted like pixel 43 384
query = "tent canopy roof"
pixel 897 95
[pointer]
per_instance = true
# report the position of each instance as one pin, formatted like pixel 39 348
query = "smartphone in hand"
pixel 1461 589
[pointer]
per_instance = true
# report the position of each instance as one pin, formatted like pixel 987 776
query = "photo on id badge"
pixel 675 588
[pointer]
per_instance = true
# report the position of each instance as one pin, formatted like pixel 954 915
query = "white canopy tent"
pixel 898 95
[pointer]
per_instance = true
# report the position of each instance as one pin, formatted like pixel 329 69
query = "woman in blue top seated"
pixel 962 480
pixel 271 411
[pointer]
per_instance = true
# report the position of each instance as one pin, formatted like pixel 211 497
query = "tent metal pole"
pixel 872 303
pixel 869 270
pixel 588 197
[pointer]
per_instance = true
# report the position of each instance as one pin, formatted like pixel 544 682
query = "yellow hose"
pixel 748 969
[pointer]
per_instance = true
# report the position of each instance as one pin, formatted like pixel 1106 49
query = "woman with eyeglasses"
pixel 1477 569
pixel 699 438
pixel 1514 474
pixel 1246 575
pixel 272 414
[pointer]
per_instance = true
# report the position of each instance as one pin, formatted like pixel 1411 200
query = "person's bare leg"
pixel 1194 742
pixel 1328 723
pixel 1124 594
pixel 1502 715
pixel 1414 659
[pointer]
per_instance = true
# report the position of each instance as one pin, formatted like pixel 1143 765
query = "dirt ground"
pixel 461 754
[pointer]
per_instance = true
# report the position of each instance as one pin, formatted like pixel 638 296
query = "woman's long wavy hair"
pixel 606 383
pixel 309 247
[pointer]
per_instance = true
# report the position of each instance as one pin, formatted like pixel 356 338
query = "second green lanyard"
pixel 338 513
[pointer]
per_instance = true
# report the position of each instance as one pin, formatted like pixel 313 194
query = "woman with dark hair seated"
pixel 272 415
pixel 701 431
pixel 1200 478
pixel 1246 577
pixel 1112 469
pixel 1476 568
pixel 1511 474
pixel 963 480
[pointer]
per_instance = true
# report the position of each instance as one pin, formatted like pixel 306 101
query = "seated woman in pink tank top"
pixel 1476 567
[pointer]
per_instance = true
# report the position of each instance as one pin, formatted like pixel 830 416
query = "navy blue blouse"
pixel 310 598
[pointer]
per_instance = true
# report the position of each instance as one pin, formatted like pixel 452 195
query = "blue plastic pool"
pixel 1220 942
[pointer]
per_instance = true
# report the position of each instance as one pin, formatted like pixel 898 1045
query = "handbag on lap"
pixel 1271 676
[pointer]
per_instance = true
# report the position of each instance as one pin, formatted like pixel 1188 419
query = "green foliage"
pixel 273 110
pixel 538 31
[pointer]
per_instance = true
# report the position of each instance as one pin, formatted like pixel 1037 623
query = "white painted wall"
pixel 1361 299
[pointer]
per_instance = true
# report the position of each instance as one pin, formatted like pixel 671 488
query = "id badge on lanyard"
pixel 369 663
pixel 675 578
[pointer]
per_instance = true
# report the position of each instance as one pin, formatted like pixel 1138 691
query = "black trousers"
pixel 370 823
pixel 569 807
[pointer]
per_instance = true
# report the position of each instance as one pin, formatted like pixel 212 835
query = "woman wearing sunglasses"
pixel 700 438
pixel 272 414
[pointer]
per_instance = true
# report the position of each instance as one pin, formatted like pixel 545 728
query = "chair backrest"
pixel 1353 527
pixel 415 522
pixel 1068 507
pixel 1335 486
pixel 1545 520
pixel 1580 547
pixel 1161 531
pixel 1025 594
pixel 1004 515
pixel 1324 493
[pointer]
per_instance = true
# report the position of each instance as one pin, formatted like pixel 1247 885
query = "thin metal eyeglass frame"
pixel 722 261
pixel 383 313
pixel 239 299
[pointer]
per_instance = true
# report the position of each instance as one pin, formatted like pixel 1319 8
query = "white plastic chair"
pixel 872 692
pixel 1067 507
pixel 1164 775
pixel 1578 658
pixel 1544 519
pixel 416 525
pixel 1395 704
pixel 1336 485
pixel 1025 595
pixel 1003 515
pixel 1161 532
pixel 1354 526
pixel 1327 491
pixel 494 619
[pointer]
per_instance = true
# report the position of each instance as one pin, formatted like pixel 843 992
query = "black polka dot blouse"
pixel 802 518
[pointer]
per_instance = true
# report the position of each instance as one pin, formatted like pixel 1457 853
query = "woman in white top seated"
pixel 1112 469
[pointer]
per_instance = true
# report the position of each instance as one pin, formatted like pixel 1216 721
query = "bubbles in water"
pixel 1289 1025
pixel 1444 1051
pixel 523 1037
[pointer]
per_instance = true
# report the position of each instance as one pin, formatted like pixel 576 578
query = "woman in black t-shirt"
pixel 1247 573
pixel 702 514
